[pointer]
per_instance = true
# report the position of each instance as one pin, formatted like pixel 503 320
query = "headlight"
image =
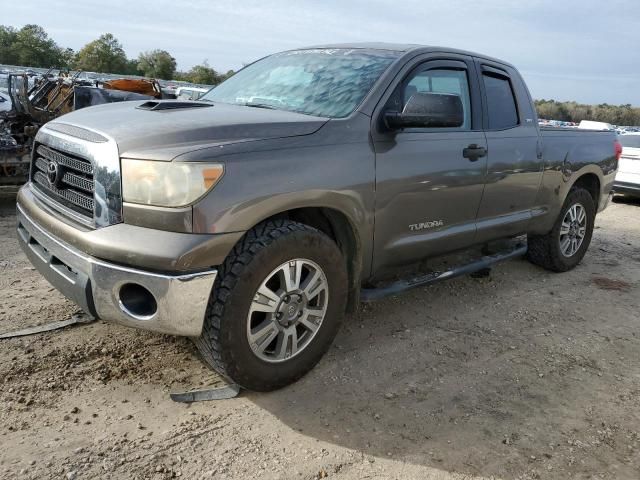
pixel 167 184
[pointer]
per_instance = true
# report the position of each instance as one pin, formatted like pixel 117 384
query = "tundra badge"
pixel 422 225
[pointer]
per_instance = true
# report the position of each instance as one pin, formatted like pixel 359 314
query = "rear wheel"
pixel 566 244
pixel 276 305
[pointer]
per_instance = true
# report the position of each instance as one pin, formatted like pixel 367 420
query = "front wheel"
pixel 566 244
pixel 276 305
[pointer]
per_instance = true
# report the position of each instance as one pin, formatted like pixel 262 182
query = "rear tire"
pixel 566 244
pixel 232 341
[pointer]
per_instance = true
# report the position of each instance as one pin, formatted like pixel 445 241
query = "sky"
pixel 584 50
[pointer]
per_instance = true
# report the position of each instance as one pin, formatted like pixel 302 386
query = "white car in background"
pixel 628 177
pixel 190 93
pixel 591 125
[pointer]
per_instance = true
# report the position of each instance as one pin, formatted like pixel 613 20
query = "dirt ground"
pixel 522 375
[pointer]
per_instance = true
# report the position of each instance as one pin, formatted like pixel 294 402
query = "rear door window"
pixel 501 103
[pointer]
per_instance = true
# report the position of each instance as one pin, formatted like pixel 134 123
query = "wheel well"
pixel 591 183
pixel 336 226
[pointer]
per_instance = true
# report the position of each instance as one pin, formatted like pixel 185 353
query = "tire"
pixel 546 250
pixel 232 316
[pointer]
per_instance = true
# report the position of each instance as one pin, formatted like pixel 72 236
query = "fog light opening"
pixel 136 301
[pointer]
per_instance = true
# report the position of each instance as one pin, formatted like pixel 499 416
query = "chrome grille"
pixel 81 165
pixel 72 186
pixel 78 181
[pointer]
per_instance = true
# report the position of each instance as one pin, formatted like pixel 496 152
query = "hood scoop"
pixel 171 105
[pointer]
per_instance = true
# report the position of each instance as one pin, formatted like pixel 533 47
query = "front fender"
pixel 260 185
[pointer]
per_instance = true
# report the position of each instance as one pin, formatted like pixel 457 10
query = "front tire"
pixel 566 244
pixel 276 305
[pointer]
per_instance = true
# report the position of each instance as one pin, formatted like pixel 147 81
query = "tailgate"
pixel 629 166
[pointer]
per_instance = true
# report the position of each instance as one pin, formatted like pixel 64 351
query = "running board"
pixel 372 294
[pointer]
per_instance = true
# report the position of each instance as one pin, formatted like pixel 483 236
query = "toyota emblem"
pixel 53 172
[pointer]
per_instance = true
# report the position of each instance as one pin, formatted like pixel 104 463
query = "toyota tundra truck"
pixel 255 218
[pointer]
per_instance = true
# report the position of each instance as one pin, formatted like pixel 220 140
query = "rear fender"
pixel 558 183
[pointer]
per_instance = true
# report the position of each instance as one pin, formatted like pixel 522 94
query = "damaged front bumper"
pixel 172 304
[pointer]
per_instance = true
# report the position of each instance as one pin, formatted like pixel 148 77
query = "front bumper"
pixel 97 286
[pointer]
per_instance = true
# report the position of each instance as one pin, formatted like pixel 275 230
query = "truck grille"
pixel 65 178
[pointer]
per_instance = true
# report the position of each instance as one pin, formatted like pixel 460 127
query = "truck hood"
pixel 163 134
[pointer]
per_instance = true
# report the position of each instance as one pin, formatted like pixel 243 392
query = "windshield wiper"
pixel 259 105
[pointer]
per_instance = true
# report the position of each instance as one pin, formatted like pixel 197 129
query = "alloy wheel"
pixel 573 230
pixel 287 310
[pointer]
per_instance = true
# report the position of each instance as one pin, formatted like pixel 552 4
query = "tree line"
pixel 31 46
pixel 576 112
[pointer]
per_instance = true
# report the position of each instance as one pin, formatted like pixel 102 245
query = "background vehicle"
pixel 190 93
pixel 592 125
pixel 5 102
pixel 628 176
pixel 252 219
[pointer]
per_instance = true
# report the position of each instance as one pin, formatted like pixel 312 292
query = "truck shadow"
pixel 473 376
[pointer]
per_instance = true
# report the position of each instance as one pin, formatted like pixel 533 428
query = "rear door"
pixel 427 191
pixel 515 165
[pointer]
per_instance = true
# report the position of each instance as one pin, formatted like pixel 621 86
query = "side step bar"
pixel 372 294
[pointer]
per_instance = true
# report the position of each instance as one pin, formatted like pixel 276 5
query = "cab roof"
pixel 406 48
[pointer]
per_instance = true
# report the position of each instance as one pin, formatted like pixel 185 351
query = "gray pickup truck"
pixel 252 219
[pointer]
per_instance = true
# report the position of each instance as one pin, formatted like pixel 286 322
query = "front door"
pixel 427 191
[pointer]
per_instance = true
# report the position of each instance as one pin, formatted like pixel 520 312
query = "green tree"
pixel 575 112
pixel 29 46
pixel 230 73
pixel 7 40
pixel 68 57
pixel 132 67
pixel 157 64
pixel 203 74
pixel 104 55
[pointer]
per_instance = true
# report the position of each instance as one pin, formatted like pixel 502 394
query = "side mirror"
pixel 428 110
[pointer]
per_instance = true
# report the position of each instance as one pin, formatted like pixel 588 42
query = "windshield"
pixel 322 82
pixel 632 141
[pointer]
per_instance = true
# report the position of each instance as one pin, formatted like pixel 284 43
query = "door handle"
pixel 538 150
pixel 473 152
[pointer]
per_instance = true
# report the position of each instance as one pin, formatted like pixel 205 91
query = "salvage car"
pixel 34 100
pixel 252 219
pixel 5 102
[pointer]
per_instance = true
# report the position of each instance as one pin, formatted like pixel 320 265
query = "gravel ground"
pixel 523 374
